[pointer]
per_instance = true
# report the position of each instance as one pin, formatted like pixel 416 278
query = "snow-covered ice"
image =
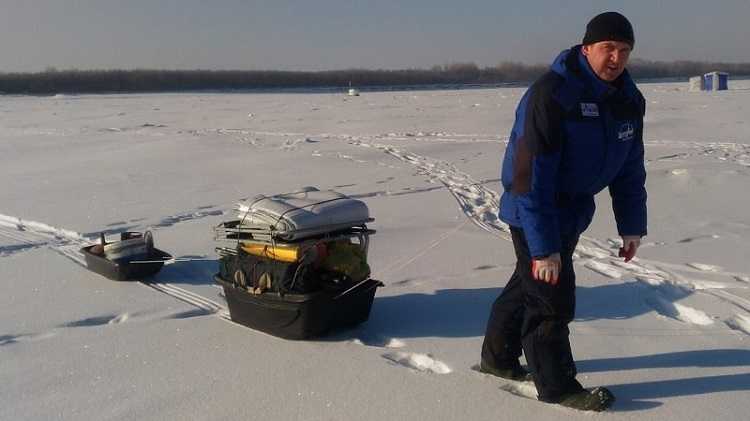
pixel 666 332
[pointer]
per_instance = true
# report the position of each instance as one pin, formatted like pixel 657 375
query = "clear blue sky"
pixel 338 34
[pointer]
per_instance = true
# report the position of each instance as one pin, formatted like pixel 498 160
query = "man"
pixel 578 129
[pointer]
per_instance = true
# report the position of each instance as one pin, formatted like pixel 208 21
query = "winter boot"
pixel 514 372
pixel 598 400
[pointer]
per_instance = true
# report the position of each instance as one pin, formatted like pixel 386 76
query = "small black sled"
pixel 132 258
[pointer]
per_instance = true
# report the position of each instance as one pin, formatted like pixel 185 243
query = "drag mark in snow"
pixel 420 362
pixel 68 243
pixel 40 229
pixel 191 298
pixel 32 234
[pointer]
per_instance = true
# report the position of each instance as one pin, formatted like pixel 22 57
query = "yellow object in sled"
pixel 280 252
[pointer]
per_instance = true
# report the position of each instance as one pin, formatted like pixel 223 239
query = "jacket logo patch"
pixel 626 132
pixel 589 109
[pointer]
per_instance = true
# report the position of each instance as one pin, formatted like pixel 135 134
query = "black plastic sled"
pixel 300 316
pixel 132 267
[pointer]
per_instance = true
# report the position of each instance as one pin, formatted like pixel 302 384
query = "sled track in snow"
pixel 477 202
pixel 68 243
pixel 36 234
pixel 192 298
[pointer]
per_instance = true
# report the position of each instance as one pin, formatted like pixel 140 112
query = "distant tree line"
pixel 53 81
pixel 643 69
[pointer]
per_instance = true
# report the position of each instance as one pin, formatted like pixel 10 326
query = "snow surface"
pixel 666 332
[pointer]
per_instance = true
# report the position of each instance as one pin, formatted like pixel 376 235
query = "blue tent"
pixel 716 81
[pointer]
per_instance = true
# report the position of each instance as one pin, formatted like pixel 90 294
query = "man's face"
pixel 607 58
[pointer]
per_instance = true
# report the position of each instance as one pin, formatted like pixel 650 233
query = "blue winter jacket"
pixel 573 136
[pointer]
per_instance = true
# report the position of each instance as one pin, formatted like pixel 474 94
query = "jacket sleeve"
pixel 536 165
pixel 628 189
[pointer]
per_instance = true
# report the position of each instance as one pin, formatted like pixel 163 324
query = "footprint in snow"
pixel 379 342
pixel 522 389
pixel 699 237
pixel 419 362
pixel 677 311
pixel 739 322
pixel 197 312
pixel 679 171
pixel 395 343
pixel 12 339
pixel 99 321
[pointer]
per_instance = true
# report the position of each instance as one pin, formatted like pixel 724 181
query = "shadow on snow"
pixel 191 272
pixel 464 312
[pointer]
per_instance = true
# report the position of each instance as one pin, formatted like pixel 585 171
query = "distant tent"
pixel 716 81
pixel 696 84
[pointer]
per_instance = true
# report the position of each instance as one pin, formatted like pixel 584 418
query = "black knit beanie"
pixel 609 26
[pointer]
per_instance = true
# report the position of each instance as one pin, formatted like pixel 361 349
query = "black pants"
pixel 533 315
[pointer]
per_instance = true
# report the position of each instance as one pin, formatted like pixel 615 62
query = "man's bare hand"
pixel 630 244
pixel 547 269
